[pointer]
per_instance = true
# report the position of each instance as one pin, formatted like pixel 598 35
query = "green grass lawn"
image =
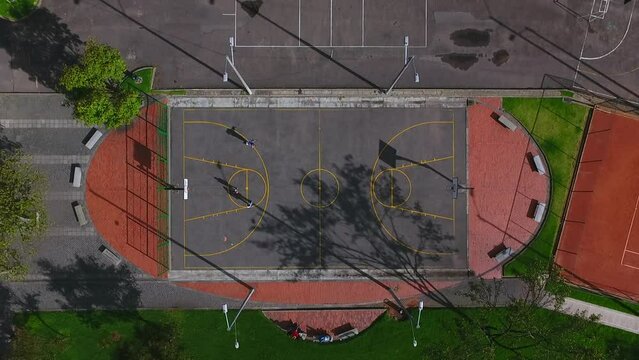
pixel 147 74
pixel 17 9
pixel 557 127
pixel 204 335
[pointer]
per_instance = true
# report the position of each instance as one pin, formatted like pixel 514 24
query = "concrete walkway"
pixel 609 317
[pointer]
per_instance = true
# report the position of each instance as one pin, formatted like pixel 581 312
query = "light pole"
pixel 225 310
pixel 419 315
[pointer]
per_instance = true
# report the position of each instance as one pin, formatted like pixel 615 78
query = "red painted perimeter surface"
pixel 599 244
pixel 325 321
pixel 316 292
pixel 503 184
pixel 121 195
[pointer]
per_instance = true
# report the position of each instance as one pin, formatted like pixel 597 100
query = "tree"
pixel 26 345
pixel 522 323
pixel 95 86
pixel 22 211
pixel 153 341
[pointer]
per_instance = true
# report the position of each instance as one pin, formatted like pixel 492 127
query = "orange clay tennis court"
pixel 599 244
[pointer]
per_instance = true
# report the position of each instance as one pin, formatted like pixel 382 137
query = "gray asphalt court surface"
pixel 330 188
pixel 335 43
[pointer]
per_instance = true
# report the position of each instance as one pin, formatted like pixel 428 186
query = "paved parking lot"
pixel 334 43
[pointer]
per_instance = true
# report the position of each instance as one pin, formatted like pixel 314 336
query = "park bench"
pixel 346 334
pixel 505 120
pixel 79 213
pixel 504 254
pixel 107 253
pixel 93 137
pixel 77 176
pixel 539 211
pixel 539 165
pixel 500 252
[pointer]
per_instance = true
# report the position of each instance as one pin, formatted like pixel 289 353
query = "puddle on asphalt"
pixel 500 57
pixel 471 37
pixel 460 61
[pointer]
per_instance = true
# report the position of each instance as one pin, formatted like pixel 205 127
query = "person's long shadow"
pixel 40 45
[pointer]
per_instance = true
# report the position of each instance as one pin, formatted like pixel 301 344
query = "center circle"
pixel 319 188
pixel 388 188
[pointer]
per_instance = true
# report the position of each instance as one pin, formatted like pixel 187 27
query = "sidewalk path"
pixel 609 317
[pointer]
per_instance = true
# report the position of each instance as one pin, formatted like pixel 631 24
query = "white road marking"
pixel 335 46
pixel 331 22
pixel 425 22
pixel 362 22
pixel 621 41
pixel 299 22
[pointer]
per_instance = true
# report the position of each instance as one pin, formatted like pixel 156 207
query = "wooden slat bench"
pixel 539 211
pixel 110 255
pixel 539 165
pixel 95 135
pixel 77 176
pixel 79 213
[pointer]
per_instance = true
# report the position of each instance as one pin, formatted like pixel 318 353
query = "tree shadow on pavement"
pixel 88 285
pixel 40 45
pixel 8 144
pixel 351 235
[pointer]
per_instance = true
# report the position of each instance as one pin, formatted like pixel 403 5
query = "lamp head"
pixel 225 308
pixel 421 305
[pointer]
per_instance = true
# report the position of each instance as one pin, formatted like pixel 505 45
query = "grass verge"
pixel 17 9
pixel 170 92
pixel 146 74
pixel 558 128
pixel 203 335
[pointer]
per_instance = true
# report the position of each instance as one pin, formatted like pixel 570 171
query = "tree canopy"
pixel 520 321
pixel 22 211
pixel 95 86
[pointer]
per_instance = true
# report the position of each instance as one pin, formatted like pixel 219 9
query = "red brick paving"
pixel 325 321
pixel 597 231
pixel 503 184
pixel 121 194
pixel 315 292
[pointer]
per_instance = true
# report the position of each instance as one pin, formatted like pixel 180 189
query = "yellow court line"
pixel 223 212
pixel 422 213
pixel 184 201
pixel 423 162
pixel 372 185
pixel 217 162
pixel 267 189
pixel 454 213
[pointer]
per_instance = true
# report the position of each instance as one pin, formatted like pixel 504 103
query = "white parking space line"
pixel 362 23
pixel 425 22
pixel 330 45
pixel 331 22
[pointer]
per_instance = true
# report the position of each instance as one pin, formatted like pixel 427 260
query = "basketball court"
pixel 321 189
pixel 599 244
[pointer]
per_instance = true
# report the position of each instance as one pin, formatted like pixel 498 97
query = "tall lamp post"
pixel 419 315
pixel 225 310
